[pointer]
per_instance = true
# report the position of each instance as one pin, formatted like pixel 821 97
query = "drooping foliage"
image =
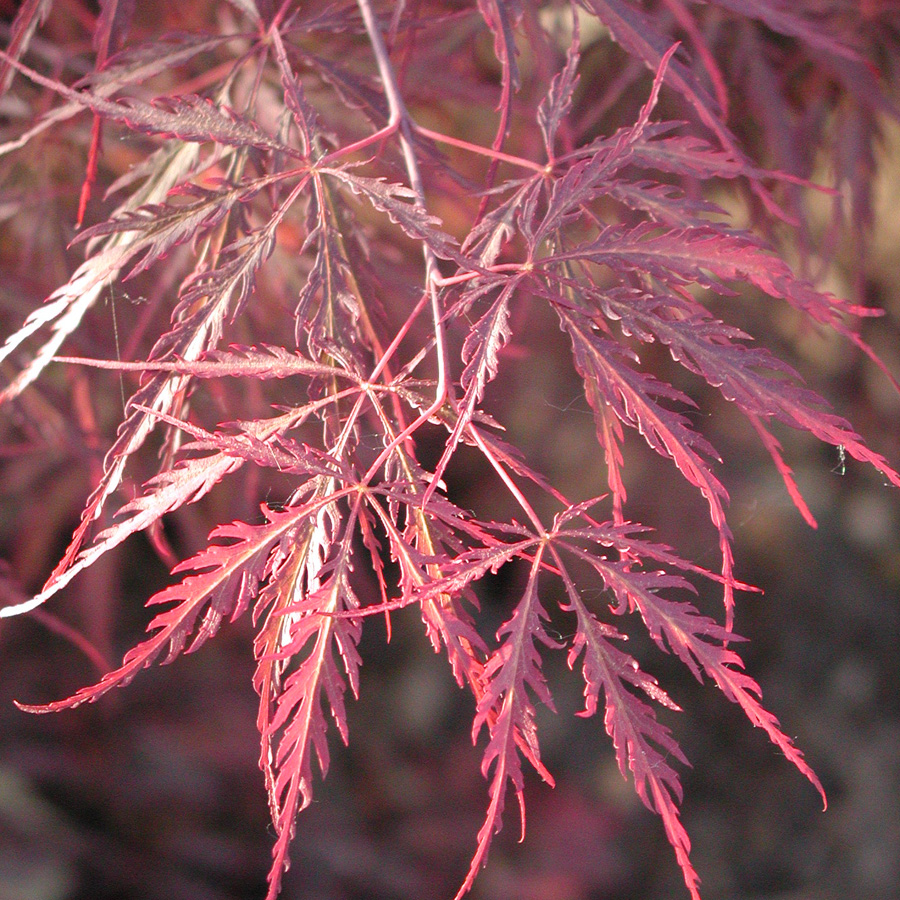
pixel 316 249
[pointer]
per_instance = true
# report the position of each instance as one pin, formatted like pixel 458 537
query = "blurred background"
pixel 154 793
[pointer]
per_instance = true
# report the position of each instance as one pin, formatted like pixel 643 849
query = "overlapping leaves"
pixel 601 233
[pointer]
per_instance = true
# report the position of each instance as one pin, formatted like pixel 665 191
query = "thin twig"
pixel 400 118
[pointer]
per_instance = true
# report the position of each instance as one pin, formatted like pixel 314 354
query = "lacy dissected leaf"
pixel 159 394
pixel 207 299
pixel 610 436
pixel 636 31
pixel 112 26
pixel 638 34
pixel 154 230
pixel 709 257
pixel 488 237
pixel 686 154
pixel 209 296
pixel 617 234
pixel 701 644
pixel 588 178
pixel 761 384
pixel 633 397
pixel 188 118
pixel 439 570
pixel 62 312
pixel 328 312
pixel 134 65
pixel 501 16
pixel 259 442
pixel 472 565
pixel 416 551
pixel 480 351
pixel 66 307
pixel 169 490
pixel 508 674
pixel 304 115
pixel 769 106
pixel 400 204
pixel 663 203
pixel 556 105
pixel 226 579
pixel 626 538
pixel 641 742
pixel 355 91
pixel 312 642
pixel 264 361
pixel 292 561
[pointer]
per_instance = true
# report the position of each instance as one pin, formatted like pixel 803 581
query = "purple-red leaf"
pixel 507 709
pixel 31 13
pixel 226 579
pixel 188 118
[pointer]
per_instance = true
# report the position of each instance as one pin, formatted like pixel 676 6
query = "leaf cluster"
pixel 282 208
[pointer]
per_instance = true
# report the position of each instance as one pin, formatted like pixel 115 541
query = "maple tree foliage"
pixel 313 245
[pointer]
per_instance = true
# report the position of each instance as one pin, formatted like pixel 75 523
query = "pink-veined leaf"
pixel 556 105
pixel 701 644
pixel 480 353
pixel 633 398
pixel 642 744
pixel 474 564
pixel 313 641
pixel 225 579
pixel 188 118
pixel 208 296
pixel 508 674
pixel 237 361
pixel 400 204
